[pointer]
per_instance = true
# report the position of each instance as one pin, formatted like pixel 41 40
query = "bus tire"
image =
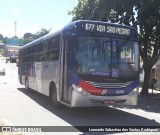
pixel 53 95
pixel 26 84
pixel 20 79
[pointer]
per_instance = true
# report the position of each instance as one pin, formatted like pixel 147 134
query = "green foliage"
pixel 27 40
pixel 1 37
pixel 41 33
pixel 92 10
pixel 29 37
pixel 1 51
pixel 141 14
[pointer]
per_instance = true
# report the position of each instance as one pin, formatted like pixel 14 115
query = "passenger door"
pixel 66 70
pixel 38 73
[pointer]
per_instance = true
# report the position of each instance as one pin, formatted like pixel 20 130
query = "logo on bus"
pixel 114 72
pixel 105 92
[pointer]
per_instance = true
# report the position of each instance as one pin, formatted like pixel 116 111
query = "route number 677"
pixel 89 26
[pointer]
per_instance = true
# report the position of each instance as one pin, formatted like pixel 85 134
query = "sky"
pixel 32 15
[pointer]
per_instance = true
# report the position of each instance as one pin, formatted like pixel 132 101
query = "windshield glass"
pixel 107 57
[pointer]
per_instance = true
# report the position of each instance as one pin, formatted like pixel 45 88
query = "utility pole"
pixel 15 29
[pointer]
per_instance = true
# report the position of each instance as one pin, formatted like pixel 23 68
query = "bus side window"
pixel 38 50
pixel 53 54
pixel 54 46
pixel 44 51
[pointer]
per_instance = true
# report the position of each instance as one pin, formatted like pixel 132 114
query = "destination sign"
pixel 107 29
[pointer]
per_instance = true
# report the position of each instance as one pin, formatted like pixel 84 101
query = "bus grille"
pixel 96 102
pixel 109 85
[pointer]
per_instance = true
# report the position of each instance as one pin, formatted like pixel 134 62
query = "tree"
pixel 1 37
pixel 98 10
pixel 41 33
pixel 28 35
pixel 1 52
pixel 142 14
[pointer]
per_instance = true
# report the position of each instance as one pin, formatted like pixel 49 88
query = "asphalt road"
pixel 23 108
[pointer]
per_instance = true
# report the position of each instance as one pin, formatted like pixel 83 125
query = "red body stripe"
pixel 89 88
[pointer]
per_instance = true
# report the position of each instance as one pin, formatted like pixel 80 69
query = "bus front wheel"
pixel 53 95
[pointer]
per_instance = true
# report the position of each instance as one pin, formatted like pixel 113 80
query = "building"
pixel 13 45
pixel 13 50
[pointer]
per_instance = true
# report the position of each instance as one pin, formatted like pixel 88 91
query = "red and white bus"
pixel 87 63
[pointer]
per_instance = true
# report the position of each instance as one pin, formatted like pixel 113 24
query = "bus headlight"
pixel 80 90
pixel 134 91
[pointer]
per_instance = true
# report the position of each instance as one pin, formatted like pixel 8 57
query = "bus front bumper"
pixel 79 100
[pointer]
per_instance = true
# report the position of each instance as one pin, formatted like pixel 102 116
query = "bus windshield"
pixel 102 56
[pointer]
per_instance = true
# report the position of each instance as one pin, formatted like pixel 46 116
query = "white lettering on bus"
pixel 89 26
pixel 108 29
pixel 111 29
pixel 115 30
pixel 123 31
pixel 101 28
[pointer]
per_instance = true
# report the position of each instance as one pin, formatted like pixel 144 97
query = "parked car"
pixel 11 59
pixel 2 71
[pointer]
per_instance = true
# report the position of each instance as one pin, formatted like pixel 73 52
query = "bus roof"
pixel 96 22
pixel 41 39
pixel 80 24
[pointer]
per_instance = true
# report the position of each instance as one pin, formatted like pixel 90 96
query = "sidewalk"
pixel 150 103
pixel 4 123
